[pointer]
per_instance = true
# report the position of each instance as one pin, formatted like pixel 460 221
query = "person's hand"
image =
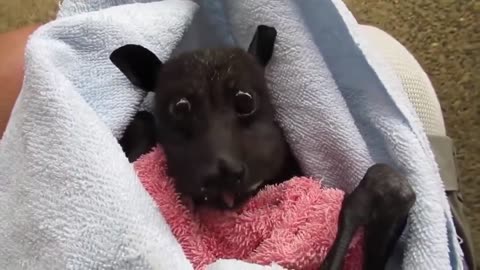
pixel 12 47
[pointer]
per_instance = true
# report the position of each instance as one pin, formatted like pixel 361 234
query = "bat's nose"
pixel 226 172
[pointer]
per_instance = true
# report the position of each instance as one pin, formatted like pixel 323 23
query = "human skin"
pixel 12 49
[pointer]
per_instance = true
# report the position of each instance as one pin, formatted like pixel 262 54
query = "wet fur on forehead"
pixel 211 70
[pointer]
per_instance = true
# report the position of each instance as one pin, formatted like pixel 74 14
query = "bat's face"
pixel 213 117
pixel 216 124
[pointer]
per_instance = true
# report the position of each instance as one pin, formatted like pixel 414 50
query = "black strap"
pixel 444 151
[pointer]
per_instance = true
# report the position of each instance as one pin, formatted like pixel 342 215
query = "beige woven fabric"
pixel 421 94
pixel 414 80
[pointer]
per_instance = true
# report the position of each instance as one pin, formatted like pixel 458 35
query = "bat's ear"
pixel 140 65
pixel 262 43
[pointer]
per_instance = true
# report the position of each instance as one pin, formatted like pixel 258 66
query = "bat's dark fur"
pixel 215 121
pixel 213 151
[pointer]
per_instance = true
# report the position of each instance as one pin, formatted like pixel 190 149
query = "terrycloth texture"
pixel 69 198
pixel 343 109
pixel 292 224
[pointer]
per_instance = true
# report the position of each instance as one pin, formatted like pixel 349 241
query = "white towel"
pixel 70 199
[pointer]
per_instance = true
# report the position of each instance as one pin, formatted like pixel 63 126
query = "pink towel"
pixel 292 224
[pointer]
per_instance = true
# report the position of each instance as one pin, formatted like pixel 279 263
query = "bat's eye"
pixel 244 104
pixel 180 108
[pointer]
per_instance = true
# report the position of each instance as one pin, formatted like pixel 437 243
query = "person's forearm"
pixel 12 47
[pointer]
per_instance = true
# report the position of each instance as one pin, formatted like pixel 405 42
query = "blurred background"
pixel 444 36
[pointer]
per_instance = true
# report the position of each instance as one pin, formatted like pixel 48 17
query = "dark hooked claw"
pixel 380 203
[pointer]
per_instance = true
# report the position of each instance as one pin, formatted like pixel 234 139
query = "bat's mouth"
pixel 226 198
pixel 255 186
